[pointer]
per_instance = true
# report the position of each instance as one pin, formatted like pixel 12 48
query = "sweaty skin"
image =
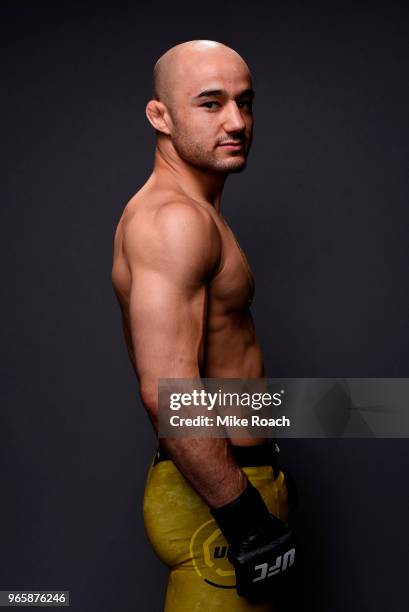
pixel 183 283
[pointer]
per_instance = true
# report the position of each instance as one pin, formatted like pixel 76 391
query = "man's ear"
pixel 158 116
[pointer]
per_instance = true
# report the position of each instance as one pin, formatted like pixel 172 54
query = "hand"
pixel 262 547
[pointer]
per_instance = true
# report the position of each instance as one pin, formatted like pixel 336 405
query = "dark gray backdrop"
pixel 322 213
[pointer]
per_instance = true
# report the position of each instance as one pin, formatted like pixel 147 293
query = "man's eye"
pixel 247 103
pixel 210 104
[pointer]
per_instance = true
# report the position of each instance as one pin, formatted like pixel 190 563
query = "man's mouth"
pixel 232 144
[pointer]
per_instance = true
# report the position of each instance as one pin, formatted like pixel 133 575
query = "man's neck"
pixel 197 184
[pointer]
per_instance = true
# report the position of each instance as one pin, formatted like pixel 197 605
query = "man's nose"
pixel 233 119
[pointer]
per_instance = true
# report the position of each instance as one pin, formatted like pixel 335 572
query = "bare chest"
pixel 232 289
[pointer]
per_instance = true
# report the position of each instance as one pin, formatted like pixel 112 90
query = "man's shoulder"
pixel 170 222
pixel 167 216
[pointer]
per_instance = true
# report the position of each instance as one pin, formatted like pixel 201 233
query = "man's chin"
pixel 235 165
pixel 231 164
pixel 225 166
pixel 239 167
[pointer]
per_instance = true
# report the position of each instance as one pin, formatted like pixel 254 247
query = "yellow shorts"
pixel 187 539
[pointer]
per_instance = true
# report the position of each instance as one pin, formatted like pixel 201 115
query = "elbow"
pixel 149 397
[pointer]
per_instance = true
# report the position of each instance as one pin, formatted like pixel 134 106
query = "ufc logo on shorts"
pixel 282 563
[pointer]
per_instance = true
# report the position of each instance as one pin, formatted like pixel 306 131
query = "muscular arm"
pixel 171 256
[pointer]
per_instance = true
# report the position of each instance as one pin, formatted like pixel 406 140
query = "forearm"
pixel 206 463
pixel 209 466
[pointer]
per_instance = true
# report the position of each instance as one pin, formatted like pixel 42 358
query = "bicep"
pixel 171 257
pixel 167 320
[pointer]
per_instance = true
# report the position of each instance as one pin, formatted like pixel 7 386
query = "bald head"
pixel 202 106
pixel 182 63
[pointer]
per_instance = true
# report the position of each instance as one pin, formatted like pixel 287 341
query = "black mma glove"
pixel 262 547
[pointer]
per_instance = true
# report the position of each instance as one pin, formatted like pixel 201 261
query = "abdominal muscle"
pixel 233 352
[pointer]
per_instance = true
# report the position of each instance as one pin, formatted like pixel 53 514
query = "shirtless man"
pixel 185 288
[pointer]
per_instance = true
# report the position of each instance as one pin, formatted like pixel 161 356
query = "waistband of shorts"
pixel 245 456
